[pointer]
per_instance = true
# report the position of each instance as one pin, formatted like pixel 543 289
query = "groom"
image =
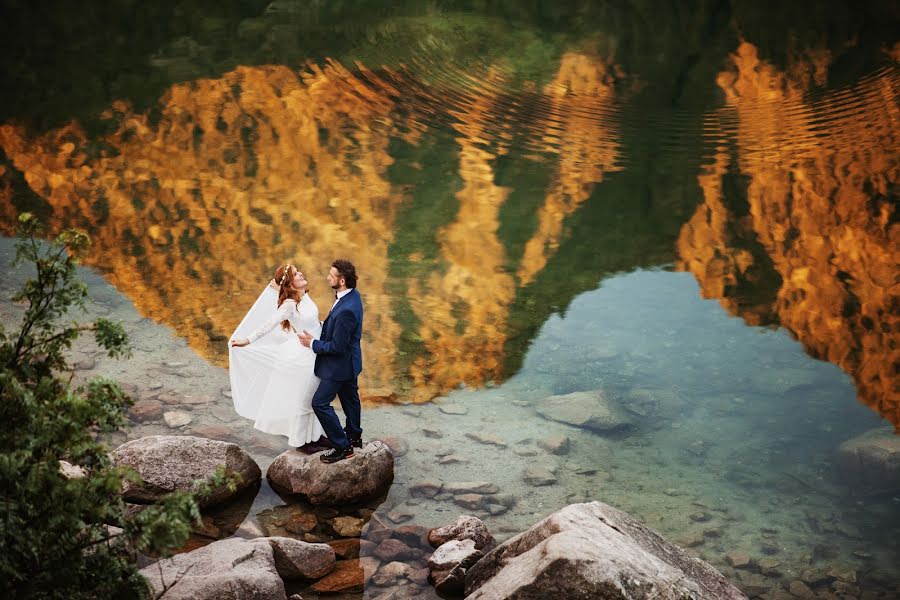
pixel 339 362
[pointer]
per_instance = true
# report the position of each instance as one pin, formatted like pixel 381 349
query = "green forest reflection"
pixel 480 187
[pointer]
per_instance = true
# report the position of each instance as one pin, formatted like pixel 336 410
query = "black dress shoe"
pixel 309 448
pixel 312 448
pixel 337 454
pixel 324 442
pixel 357 443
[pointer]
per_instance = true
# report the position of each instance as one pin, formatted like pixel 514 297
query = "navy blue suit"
pixel 338 364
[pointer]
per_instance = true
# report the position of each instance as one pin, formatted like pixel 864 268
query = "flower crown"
pixel 284 275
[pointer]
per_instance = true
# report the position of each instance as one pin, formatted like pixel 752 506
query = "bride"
pixel 272 379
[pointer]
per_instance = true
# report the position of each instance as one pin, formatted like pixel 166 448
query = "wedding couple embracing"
pixel 286 367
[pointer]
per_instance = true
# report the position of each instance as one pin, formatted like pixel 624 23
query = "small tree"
pixel 54 536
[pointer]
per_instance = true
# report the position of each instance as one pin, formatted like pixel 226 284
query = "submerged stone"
pixel 587 410
pixel 871 460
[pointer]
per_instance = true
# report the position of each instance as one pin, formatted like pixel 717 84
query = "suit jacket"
pixel 338 353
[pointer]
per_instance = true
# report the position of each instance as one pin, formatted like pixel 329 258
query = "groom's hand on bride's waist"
pixel 306 338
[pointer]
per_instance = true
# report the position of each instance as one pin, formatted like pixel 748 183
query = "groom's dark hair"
pixel 347 271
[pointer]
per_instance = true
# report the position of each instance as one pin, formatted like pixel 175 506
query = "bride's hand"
pixel 240 343
pixel 274 285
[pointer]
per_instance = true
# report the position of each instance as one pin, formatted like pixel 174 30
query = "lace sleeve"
pixel 284 311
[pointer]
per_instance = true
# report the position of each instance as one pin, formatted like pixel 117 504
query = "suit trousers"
pixel 348 393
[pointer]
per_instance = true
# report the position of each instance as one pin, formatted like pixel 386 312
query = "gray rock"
pixel 871 460
pixel 496 509
pixel 557 444
pixel 301 560
pixel 594 551
pixel 146 410
pixel 449 563
pixel 471 487
pixel 426 489
pixel 587 410
pixel 195 399
pixel 507 500
pixel 170 397
pixel 399 516
pixel 390 550
pixel 223 413
pixel 538 476
pixel 487 438
pixel 369 471
pixel 453 553
pixel 390 573
pixel 469 501
pixel 398 446
pixel 450 583
pixel 465 527
pixel 453 459
pixel 86 364
pixel 176 418
pixel 167 463
pixel 232 569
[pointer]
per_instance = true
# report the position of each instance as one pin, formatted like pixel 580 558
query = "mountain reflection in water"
pixel 477 205
pixel 798 225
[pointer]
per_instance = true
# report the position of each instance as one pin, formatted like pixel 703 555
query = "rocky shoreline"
pixel 586 548
pixel 454 455
pixel 590 549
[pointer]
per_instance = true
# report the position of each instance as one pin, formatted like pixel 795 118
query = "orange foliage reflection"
pixel 192 206
pixel 191 213
pixel 580 96
pixel 818 219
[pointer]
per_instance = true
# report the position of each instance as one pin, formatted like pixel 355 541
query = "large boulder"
pixel 594 551
pixel 872 460
pixel 169 463
pixel 232 569
pixel 239 569
pixel 588 410
pixel 365 475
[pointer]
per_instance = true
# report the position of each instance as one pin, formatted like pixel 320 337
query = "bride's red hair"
pixel 284 277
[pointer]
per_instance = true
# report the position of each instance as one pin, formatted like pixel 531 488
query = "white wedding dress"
pixel 272 379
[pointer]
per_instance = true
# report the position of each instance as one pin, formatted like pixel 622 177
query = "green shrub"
pixel 54 536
